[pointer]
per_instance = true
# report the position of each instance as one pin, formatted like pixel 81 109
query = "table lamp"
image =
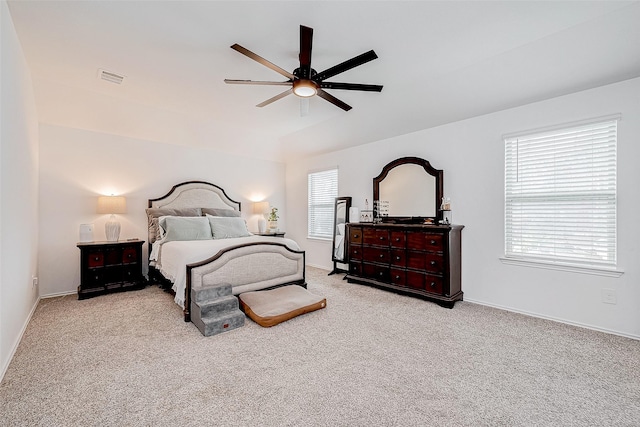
pixel 261 208
pixel 112 205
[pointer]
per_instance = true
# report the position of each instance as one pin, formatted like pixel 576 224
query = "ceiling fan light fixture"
pixel 305 88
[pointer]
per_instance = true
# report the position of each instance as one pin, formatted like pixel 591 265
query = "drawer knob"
pixel 355 252
pixel 397 239
pixel 355 236
pixel 381 255
pixel 433 263
pixel 397 277
pixel 433 242
pixel 381 274
pixel 398 258
pixel 381 238
pixel 97 259
pixel 433 284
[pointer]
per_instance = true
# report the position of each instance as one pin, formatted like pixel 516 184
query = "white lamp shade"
pixel 261 208
pixel 112 205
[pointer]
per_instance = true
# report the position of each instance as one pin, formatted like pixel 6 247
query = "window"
pixel 560 195
pixel 323 190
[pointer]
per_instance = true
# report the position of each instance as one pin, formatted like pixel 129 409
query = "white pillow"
pixel 184 228
pixel 227 227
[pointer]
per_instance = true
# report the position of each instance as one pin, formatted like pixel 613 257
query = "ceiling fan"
pixel 304 81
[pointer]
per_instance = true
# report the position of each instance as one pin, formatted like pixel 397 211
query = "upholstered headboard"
pixel 189 199
pixel 195 194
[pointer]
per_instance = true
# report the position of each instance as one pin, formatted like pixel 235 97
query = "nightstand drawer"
pixel 129 255
pixel 95 259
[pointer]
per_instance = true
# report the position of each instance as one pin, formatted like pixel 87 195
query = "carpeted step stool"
pixel 215 310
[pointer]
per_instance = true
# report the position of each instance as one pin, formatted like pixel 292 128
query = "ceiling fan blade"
pixel 306 39
pixel 346 65
pixel 256 82
pixel 332 99
pixel 263 61
pixel 275 98
pixel 351 86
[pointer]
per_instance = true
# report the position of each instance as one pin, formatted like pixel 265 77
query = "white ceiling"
pixel 439 62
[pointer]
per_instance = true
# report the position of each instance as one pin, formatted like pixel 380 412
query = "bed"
pixel 184 259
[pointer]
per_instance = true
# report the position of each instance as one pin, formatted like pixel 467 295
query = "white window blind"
pixel 323 189
pixel 560 194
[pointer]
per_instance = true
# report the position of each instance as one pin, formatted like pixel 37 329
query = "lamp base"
pixel 112 229
pixel 262 225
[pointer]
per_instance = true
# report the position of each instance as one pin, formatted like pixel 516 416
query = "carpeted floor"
pixel 371 358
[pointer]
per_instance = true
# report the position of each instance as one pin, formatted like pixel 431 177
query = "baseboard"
pixel 321 267
pixel 16 343
pixel 555 319
pixel 59 294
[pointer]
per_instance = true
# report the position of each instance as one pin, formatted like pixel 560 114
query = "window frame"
pixel 525 205
pixel 324 206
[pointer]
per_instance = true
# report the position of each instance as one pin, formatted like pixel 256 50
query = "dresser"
pixel 110 267
pixel 418 260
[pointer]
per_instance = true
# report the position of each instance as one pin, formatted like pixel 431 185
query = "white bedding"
pixel 172 257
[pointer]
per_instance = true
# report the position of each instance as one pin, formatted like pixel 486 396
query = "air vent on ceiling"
pixel 110 76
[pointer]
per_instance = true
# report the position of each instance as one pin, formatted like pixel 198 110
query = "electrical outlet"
pixel 34 281
pixel 609 296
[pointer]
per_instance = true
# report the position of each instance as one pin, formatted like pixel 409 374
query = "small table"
pixel 110 267
pixel 270 233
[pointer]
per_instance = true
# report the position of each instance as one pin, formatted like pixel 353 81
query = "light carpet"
pixel 371 358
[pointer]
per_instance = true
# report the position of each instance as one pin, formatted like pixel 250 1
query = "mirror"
pixel 413 189
pixel 340 218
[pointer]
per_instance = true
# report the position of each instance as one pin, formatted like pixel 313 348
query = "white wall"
pixel 77 166
pixel 18 192
pixel 471 153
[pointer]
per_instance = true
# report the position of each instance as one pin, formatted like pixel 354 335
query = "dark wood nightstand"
pixel 110 267
pixel 270 233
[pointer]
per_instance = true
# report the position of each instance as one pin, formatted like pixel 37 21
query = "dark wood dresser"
pixel 110 267
pixel 418 260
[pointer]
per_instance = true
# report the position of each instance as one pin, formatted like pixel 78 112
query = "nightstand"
pixel 270 233
pixel 110 267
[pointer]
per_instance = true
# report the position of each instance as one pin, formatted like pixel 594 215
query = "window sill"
pixel 550 265
pixel 322 239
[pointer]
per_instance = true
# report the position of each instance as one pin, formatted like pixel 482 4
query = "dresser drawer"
pixel 355 268
pixel 434 263
pixel 380 255
pixel 355 235
pixel 433 284
pixel 376 237
pixel 398 239
pixel 355 252
pixel 376 272
pixel 398 258
pixel 397 277
pixel 425 241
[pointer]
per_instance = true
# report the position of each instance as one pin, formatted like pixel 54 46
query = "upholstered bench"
pixel 270 307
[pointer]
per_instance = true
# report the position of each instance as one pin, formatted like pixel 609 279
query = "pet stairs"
pixel 215 310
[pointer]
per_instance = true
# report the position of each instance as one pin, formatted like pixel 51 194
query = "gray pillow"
pixel 154 213
pixel 227 227
pixel 185 228
pixel 220 212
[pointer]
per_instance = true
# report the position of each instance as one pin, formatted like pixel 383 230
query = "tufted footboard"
pixel 249 267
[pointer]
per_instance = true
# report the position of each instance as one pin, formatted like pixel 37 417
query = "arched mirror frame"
pixel 436 173
pixel 346 204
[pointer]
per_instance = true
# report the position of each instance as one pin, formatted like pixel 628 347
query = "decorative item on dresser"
pixel 110 267
pixel 406 251
pixel 420 260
